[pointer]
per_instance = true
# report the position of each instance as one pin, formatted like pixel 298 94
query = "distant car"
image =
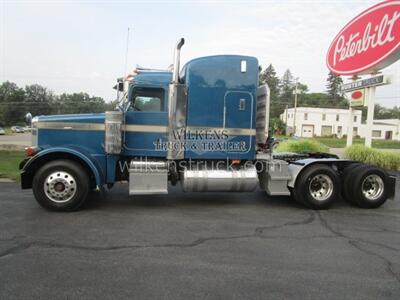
pixel 27 129
pixel 2 132
pixel 17 129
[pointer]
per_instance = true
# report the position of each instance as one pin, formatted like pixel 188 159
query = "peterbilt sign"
pixel 368 43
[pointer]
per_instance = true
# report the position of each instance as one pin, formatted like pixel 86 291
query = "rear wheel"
pixel 61 185
pixel 369 187
pixel 346 180
pixel 317 186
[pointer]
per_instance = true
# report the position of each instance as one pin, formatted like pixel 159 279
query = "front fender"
pixel 29 167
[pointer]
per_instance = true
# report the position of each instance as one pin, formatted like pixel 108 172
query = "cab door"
pixel 238 120
pixel 146 122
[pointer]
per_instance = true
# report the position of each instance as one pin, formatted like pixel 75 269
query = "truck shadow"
pixel 118 197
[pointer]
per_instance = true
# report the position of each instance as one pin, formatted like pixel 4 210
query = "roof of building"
pixel 323 110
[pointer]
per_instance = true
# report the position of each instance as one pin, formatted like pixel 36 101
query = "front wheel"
pixel 317 186
pixel 61 185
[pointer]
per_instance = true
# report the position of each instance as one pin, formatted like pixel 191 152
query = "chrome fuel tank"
pixel 243 179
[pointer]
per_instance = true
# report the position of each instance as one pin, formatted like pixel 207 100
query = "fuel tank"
pixel 241 179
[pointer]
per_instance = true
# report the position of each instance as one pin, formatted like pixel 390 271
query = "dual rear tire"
pixel 365 186
pixel 318 186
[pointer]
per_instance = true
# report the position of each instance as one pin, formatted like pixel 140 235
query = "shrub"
pixel 386 160
pixel 301 146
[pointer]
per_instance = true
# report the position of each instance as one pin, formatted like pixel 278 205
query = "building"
pixel 313 121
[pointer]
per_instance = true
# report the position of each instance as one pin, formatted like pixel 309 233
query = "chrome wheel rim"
pixel 372 187
pixel 321 187
pixel 60 187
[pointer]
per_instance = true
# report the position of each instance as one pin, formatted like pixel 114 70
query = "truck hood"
pixel 74 118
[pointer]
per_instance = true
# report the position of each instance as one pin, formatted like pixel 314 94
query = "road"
pixel 17 140
pixel 196 246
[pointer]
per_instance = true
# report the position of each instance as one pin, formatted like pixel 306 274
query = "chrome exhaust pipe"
pixel 176 107
pixel 177 58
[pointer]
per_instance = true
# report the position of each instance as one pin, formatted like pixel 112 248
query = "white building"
pixel 312 121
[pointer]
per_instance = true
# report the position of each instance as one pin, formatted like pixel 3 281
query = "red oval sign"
pixel 356 95
pixel 368 43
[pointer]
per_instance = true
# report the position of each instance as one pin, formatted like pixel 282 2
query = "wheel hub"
pixel 372 187
pixel 60 186
pixel 321 187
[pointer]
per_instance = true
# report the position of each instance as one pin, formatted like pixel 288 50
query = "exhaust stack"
pixel 177 58
pixel 177 102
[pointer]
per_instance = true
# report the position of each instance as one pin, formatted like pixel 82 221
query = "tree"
pixel 11 104
pixel 277 126
pixel 38 100
pixel 286 86
pixel 78 103
pixel 333 86
pixel 268 76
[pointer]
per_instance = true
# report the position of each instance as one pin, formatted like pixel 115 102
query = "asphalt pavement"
pixel 196 246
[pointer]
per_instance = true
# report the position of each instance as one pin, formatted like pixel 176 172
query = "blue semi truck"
pixel 204 126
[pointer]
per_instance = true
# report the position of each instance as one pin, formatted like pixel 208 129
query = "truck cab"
pixel 204 126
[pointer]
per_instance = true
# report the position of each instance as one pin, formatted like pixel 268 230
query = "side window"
pixel 147 99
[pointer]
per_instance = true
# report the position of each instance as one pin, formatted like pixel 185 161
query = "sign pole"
pixel 295 110
pixel 349 141
pixel 370 116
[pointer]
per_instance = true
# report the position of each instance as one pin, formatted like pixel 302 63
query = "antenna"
pixel 126 54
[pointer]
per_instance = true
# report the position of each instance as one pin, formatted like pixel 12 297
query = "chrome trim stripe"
pixel 71 126
pixel 138 128
pixel 146 128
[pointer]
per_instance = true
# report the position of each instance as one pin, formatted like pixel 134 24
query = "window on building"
pixel 355 118
pixel 323 117
pixel 339 130
pixel 147 99
pixel 337 117
pixel 376 133
pixel 306 116
pixel 355 131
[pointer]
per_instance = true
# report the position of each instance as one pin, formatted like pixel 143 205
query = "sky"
pixel 80 46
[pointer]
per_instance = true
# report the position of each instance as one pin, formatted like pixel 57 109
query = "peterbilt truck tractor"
pixel 203 127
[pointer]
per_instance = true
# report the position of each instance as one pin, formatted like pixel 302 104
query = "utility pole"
pixel 349 140
pixel 295 108
pixel 286 117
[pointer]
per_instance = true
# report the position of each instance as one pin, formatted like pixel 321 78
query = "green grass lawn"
pixel 341 143
pixel 9 163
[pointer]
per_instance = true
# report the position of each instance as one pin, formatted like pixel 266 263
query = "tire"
pixel 61 185
pixel 346 182
pixel 317 187
pixel 370 186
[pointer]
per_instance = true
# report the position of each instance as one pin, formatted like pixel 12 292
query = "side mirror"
pixel 119 86
pixel 28 119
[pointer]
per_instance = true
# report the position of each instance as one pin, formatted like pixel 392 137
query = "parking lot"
pixel 184 246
